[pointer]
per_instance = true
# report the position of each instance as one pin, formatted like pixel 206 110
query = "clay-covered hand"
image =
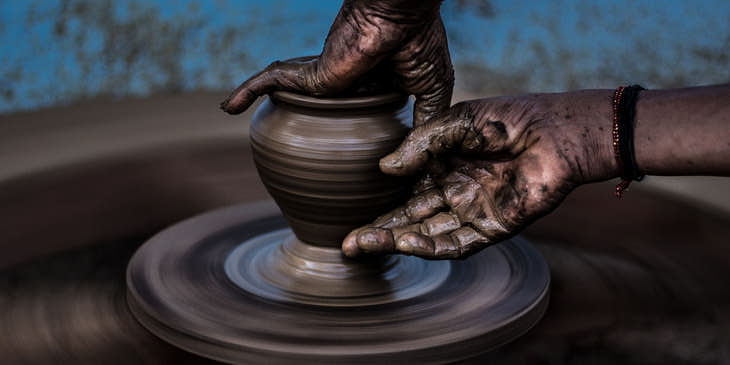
pixel 404 38
pixel 502 163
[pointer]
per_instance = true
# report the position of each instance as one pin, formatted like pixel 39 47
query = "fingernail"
pixel 391 162
pixel 349 245
pixel 376 240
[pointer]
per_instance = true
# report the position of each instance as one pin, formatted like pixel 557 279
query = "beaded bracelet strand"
pixel 624 111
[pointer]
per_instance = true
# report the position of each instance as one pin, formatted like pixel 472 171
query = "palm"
pixel 499 198
pixel 499 169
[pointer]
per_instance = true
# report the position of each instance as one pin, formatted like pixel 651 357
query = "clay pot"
pixel 318 158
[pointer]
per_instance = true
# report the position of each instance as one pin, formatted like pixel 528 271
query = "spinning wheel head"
pixel 238 286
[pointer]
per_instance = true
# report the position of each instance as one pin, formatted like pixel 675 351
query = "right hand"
pixel 404 36
pixel 495 166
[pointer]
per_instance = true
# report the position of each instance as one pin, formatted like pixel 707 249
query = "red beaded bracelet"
pixel 624 109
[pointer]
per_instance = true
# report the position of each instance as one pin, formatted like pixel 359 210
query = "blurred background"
pixel 64 52
pixel 61 51
pixel 109 132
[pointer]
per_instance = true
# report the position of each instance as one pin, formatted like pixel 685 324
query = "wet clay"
pixel 318 158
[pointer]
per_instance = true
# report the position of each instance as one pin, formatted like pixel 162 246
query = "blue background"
pixel 55 51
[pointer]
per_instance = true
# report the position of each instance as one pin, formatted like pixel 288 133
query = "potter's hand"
pixel 406 37
pixel 503 163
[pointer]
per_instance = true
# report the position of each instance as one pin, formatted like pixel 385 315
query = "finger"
pixel 491 228
pixel 414 210
pixel 382 240
pixel 349 245
pixel 378 238
pixel 425 70
pixel 461 243
pixel 244 95
pixel 468 241
pixel 441 223
pixel 369 240
pixel 430 105
pixel 292 75
pixel 445 248
pixel 437 238
pixel 422 213
pixel 416 244
pixel 440 247
pixel 412 239
pixel 374 240
pixel 433 138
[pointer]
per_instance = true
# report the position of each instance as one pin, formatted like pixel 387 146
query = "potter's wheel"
pixel 235 285
pixel 652 291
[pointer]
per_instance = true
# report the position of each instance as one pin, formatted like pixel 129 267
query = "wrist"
pixel 588 117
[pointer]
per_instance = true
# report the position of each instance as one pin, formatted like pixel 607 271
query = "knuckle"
pixel 440 223
pixel 415 244
pixel 491 228
pixel 395 218
pixel 445 247
pixel 398 232
pixel 273 66
pixel 468 240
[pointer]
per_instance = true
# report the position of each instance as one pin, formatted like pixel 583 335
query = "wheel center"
pixel 279 267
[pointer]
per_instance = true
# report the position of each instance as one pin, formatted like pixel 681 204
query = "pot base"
pixel 236 286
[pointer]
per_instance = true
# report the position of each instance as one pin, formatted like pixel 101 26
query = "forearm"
pixel 684 131
pixel 677 132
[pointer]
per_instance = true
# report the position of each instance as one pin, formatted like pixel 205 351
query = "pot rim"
pixel 337 103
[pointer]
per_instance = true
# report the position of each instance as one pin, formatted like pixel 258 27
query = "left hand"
pixel 404 41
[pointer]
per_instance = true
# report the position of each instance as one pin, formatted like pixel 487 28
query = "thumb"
pixel 431 139
pixel 290 75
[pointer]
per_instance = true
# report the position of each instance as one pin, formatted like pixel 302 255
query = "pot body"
pixel 318 158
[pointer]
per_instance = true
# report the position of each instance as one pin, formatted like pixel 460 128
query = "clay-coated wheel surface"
pixel 179 288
